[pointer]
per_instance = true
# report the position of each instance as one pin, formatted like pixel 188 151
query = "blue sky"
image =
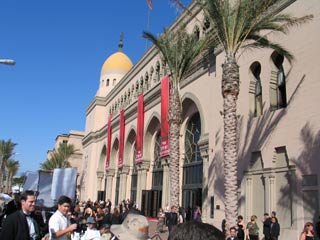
pixel 59 47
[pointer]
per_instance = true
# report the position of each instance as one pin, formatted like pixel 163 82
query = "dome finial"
pixel 120 45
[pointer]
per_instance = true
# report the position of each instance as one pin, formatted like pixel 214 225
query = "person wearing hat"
pixel 134 227
pixel 92 233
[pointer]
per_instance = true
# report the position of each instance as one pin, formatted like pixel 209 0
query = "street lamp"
pixel 7 61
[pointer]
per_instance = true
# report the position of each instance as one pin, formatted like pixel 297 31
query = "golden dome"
pixel 117 61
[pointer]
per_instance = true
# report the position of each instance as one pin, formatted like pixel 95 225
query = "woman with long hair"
pixel 307 233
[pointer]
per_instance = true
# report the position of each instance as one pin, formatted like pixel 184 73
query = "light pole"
pixel 7 61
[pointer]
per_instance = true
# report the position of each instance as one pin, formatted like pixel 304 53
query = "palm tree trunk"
pixel 2 172
pixel 230 91
pixel 175 114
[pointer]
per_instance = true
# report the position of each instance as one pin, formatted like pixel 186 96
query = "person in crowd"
pixel 116 218
pixel 266 226
pixel 240 233
pixel 105 232
pixel 99 217
pixel 107 216
pixel 134 227
pixel 172 218
pixel 88 212
pixel 108 205
pixel 124 213
pixel 188 214
pixel 274 229
pixel 161 219
pixel 13 205
pixel 92 233
pixel 253 229
pixel 318 228
pixel 233 234
pixel 307 233
pixel 59 223
pixel 20 225
pixel 197 214
pixel 241 227
pixel 195 231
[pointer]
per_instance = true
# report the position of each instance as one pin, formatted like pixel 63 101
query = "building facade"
pixel 279 130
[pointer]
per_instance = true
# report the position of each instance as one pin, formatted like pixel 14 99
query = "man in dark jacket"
pixel 266 226
pixel 172 218
pixel 20 225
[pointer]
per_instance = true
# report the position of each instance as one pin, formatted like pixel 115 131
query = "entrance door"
pixel 192 198
pixel 151 202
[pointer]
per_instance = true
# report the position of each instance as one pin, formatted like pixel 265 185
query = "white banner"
pixel 64 183
pixel 31 182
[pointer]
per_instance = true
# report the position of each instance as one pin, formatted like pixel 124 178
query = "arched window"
pixel 193 133
pixel 256 108
pixel 196 32
pixel 193 165
pixel 108 82
pixel 278 91
pixel 114 82
pixel 157 71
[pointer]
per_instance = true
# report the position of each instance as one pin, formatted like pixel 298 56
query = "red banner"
pixel 121 141
pixel 140 129
pixel 164 151
pixel 108 143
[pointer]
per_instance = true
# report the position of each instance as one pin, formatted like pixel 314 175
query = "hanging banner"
pixel 109 135
pixel 164 151
pixel 121 141
pixel 140 129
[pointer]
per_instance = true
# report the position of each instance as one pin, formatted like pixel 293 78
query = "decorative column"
pixel 123 182
pixel 248 198
pixel 165 183
pixel 204 146
pixel 272 196
pixel 100 175
pixel 142 179
pixel 109 175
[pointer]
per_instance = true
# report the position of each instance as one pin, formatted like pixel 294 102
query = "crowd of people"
pixel 20 220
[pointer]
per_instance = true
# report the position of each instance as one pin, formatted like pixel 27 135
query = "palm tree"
pixel 178 50
pixel 6 152
pixel 12 168
pixel 59 158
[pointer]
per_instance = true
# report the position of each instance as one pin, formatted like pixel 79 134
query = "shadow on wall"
pixel 256 132
pixel 306 165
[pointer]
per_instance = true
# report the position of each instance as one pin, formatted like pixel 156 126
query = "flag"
pixel 140 129
pixel 149 2
pixel 121 141
pixel 164 150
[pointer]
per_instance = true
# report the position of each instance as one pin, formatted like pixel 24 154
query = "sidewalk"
pixel 153 228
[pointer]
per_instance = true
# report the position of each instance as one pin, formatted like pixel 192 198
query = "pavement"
pixel 153 227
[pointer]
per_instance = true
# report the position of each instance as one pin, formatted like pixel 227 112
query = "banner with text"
pixel 109 135
pixel 121 141
pixel 140 129
pixel 164 151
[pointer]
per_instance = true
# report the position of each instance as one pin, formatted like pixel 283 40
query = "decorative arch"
pixel 129 147
pixel 114 153
pixel 255 90
pixel 152 128
pixel 189 99
pixel 278 91
pixel 102 158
